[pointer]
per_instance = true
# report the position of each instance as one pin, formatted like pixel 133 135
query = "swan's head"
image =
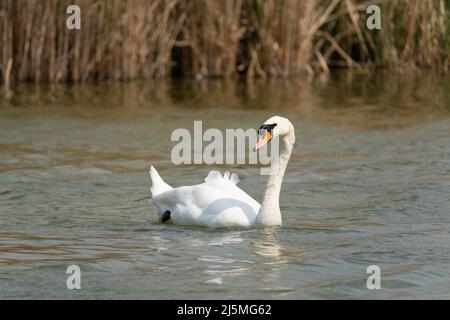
pixel 274 127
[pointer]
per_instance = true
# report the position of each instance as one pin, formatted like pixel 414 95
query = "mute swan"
pixel 219 202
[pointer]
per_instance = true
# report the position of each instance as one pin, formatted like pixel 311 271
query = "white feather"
pixel 218 202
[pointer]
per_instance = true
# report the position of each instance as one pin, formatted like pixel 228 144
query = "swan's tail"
pixel 158 184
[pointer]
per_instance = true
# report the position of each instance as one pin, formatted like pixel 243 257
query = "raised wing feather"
pixel 227 184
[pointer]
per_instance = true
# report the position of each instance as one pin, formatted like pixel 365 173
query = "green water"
pixel 368 184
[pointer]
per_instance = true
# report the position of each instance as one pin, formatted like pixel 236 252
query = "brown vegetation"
pixel 200 38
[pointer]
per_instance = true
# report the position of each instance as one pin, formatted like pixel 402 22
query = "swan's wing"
pixel 204 205
pixel 228 185
pixel 182 202
pixel 215 179
pixel 217 202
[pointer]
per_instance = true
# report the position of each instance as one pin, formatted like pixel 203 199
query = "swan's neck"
pixel 269 213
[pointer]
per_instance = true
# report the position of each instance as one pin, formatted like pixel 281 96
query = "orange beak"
pixel 263 138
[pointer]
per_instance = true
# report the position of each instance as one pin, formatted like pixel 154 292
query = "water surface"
pixel 368 184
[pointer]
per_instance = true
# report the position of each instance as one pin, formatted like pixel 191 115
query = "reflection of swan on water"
pixel 219 202
pixel 271 255
pixel 267 246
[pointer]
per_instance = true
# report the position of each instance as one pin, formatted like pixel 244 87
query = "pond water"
pixel 368 184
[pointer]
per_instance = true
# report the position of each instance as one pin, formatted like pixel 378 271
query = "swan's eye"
pixel 268 127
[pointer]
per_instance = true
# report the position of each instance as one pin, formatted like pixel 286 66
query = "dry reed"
pixel 143 39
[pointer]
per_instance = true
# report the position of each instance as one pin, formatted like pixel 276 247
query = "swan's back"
pixel 218 202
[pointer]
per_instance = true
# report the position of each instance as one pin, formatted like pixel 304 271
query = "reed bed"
pixel 140 39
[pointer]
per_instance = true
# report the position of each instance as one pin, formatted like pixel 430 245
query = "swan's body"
pixel 219 202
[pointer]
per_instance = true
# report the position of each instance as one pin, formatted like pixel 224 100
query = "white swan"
pixel 219 202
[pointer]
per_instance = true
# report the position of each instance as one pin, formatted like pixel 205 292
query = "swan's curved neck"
pixel 269 213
